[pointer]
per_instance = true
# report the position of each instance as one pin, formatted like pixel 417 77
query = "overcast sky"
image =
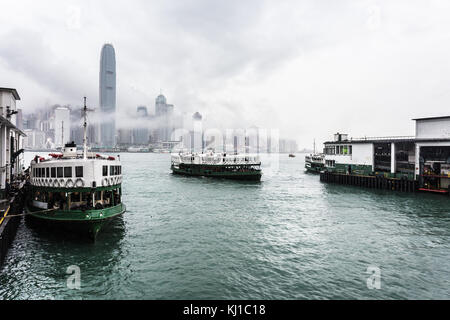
pixel 308 68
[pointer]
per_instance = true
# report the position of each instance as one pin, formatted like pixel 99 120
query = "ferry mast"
pixel 85 111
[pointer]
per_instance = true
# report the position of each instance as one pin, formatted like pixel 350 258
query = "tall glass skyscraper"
pixel 108 96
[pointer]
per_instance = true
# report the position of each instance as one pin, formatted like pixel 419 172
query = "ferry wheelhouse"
pixel 217 165
pixel 74 190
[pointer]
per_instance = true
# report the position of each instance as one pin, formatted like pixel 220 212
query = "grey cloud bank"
pixel 309 68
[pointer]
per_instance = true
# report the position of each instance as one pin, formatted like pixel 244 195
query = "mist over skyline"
pixel 308 68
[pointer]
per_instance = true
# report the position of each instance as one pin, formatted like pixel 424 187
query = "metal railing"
pixel 383 138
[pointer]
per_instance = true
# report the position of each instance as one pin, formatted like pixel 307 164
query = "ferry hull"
pixel 79 224
pixel 312 169
pixel 252 176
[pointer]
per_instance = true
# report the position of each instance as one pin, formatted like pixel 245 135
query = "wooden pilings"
pixel 373 182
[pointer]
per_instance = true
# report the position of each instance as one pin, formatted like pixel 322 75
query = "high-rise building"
pixel 165 117
pixel 19 119
pixel 141 133
pixel 194 140
pixel 108 96
pixel 62 126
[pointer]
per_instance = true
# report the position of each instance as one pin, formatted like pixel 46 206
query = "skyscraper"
pixel 108 96
pixel 164 113
pixel 62 126
pixel 141 133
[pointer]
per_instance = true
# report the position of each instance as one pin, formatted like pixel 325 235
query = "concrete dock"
pixel 9 220
pixel 373 182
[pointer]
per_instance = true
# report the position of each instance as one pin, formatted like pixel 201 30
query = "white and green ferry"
pixel 217 165
pixel 314 162
pixel 75 191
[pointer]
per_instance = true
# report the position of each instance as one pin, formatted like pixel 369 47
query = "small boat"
pixel 73 191
pixel 217 165
pixel 291 155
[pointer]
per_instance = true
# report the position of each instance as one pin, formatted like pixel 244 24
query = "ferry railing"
pixel 382 138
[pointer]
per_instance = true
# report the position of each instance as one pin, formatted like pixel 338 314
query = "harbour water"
pixel 286 237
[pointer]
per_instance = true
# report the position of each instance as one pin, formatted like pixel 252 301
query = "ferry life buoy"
pixel 79 183
pixel 46 182
pixel 62 183
pixel 69 183
pixel 105 182
pixel 50 182
pixel 56 183
pixel 111 181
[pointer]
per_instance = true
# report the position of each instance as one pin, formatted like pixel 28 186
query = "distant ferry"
pixel 78 192
pixel 315 162
pixel 217 165
pixel 161 150
pixel 138 149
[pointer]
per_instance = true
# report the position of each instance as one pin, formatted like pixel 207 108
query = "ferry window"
pixel 75 197
pixel 53 172
pixel 111 170
pixel 85 196
pixel 120 169
pixel 345 149
pixel 79 172
pixel 350 150
pixel 47 172
pixel 59 172
pixel 105 171
pixel 67 172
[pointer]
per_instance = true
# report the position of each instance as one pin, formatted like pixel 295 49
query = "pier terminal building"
pixel 11 139
pixel 423 158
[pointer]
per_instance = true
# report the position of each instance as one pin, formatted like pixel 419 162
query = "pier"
pixel 372 182
pixel 404 163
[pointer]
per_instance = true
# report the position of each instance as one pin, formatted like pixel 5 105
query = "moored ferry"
pixel 75 191
pixel 217 165
pixel 314 162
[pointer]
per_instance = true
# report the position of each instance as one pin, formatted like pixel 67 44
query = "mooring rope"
pixel 4 216
pixel 26 214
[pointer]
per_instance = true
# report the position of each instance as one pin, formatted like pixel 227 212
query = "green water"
pixel 287 237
